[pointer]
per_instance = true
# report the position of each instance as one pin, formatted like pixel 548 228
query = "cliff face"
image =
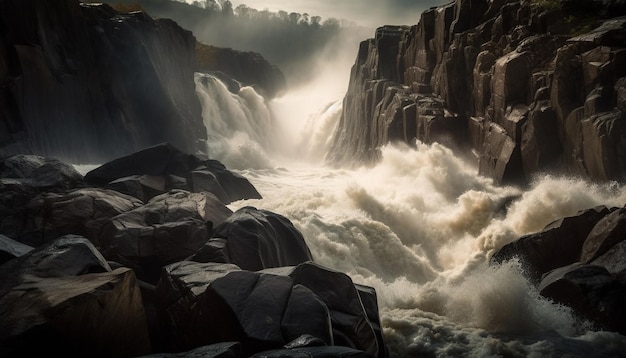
pixel 504 78
pixel 86 84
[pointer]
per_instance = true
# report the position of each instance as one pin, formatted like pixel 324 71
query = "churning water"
pixel 419 226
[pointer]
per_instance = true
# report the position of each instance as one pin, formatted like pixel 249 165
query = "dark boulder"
pixel 161 159
pixel 591 291
pixel 51 215
pixel 39 173
pixel 63 299
pixel 265 310
pixel 314 352
pixel 558 244
pixel 161 168
pixel 254 240
pixel 218 350
pixel 607 233
pixel 10 249
pixel 169 228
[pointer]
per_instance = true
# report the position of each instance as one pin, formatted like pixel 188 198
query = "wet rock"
pixel 177 293
pixel 270 309
pixel 499 156
pixel 169 228
pixel 521 93
pixel 607 233
pixel 254 240
pixel 218 350
pixel 50 215
pixel 591 291
pixel 158 160
pixel 558 244
pixel 10 249
pixel 314 352
pixel 161 168
pixel 39 173
pixel 63 299
pixel 68 91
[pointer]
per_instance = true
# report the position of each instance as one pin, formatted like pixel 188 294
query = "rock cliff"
pixel 83 82
pixel 527 86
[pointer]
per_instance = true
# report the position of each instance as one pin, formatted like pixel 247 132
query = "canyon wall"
pixel 85 83
pixel 523 86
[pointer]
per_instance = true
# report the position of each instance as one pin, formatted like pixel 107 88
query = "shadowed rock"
pixel 63 299
pixel 591 291
pixel 254 240
pixel 10 249
pixel 161 168
pixel 81 212
pixel 205 303
pixel 558 244
pixel 167 229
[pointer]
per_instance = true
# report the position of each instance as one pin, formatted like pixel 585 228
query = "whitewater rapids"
pixel 419 227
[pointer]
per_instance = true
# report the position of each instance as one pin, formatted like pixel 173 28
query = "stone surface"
pixel 591 291
pixel 558 244
pixel 64 299
pixel 254 240
pixel 81 212
pixel 269 309
pixel 161 168
pixel 10 249
pixel 607 233
pixel 169 228
pixel 68 92
pixel 502 63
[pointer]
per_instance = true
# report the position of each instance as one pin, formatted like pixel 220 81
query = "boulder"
pixel 177 293
pixel 158 160
pixel 63 299
pixel 50 215
pixel 161 168
pixel 218 350
pixel 254 240
pixel 269 309
pixel 10 249
pixel 591 291
pixel 169 228
pixel 314 352
pixel 40 173
pixel 558 244
pixel 607 233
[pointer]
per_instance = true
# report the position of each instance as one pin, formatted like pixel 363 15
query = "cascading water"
pixel 419 227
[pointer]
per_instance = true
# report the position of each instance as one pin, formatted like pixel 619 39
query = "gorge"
pixel 485 123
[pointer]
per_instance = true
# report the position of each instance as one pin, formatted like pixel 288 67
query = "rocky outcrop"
pixel 161 168
pixel 510 81
pixel 84 83
pixel 47 294
pixel 266 309
pixel 254 240
pixel 578 261
pixel 114 276
pixel 245 67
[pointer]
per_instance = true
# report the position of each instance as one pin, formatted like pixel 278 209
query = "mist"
pixel 367 13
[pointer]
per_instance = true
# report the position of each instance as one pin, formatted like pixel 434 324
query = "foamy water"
pixel 420 227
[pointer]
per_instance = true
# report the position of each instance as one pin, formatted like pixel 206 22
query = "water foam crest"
pixel 420 227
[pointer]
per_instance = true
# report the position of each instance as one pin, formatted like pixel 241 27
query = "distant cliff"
pixel 85 83
pixel 527 86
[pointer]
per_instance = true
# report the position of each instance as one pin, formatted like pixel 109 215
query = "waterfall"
pixel 419 226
